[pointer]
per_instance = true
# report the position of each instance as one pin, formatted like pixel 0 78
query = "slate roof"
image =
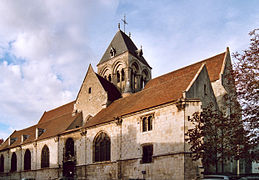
pixel 122 43
pixel 113 92
pixel 161 90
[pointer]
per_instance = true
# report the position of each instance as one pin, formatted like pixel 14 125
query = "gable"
pixel 213 64
pixel 166 92
pixel 201 88
pixel 95 94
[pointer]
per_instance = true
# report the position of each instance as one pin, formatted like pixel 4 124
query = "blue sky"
pixel 46 46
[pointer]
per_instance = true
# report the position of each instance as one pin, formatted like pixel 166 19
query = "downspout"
pixel 21 162
pixel 184 97
pixel 120 161
pixel 36 162
pixel 85 134
pixel 58 157
pixel 184 139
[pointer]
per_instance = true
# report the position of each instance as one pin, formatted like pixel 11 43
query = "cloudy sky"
pixel 47 45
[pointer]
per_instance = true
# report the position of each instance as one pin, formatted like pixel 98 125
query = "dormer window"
pixel 112 52
pixel 24 137
pixel 12 140
pixel 39 132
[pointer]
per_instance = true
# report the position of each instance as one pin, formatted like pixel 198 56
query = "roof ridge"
pixel 55 118
pixel 152 87
pixel 26 128
pixel 61 106
pixel 174 78
pixel 188 65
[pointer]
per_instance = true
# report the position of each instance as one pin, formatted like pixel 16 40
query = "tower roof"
pixel 122 43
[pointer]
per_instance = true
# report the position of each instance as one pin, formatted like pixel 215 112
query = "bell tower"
pixel 123 64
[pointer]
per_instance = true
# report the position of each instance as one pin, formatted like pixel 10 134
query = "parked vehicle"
pixel 249 178
pixel 214 177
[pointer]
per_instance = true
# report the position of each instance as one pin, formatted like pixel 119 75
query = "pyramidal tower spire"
pixel 124 65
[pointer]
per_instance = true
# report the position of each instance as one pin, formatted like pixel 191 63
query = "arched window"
pixel 134 78
pixel 45 157
pixel 27 160
pixel 122 75
pixel 70 148
pixel 118 76
pixel 145 77
pixel 14 162
pixel 141 82
pixel 109 78
pixel 102 148
pixel 2 163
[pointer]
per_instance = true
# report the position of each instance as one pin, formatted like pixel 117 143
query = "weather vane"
pixel 124 22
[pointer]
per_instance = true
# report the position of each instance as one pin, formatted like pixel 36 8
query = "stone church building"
pixel 123 124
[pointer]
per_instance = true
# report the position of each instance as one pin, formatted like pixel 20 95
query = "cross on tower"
pixel 124 22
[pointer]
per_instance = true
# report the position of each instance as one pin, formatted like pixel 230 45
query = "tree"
pixel 215 138
pixel 246 74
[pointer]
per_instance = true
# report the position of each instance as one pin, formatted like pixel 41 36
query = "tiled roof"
pixel 161 90
pixel 60 111
pixel 122 43
pixel 30 131
pixel 55 125
pixel 213 64
pixel 169 91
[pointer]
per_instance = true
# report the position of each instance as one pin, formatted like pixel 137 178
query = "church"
pixel 123 124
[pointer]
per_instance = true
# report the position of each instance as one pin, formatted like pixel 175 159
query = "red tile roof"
pixel 213 64
pixel 59 111
pixel 53 125
pixel 161 90
pixel 169 91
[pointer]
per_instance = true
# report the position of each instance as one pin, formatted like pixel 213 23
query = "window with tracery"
pixel 102 148
pixel 27 160
pixel 14 162
pixel 45 157
pixel 2 163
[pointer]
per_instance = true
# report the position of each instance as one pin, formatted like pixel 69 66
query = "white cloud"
pixel 51 43
pixel 48 47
